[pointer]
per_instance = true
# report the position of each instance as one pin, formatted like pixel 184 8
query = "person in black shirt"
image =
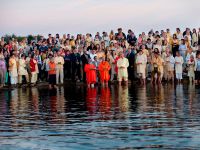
pixel 131 38
pixel 76 66
pixel 67 65
pixel 84 59
pixel 131 58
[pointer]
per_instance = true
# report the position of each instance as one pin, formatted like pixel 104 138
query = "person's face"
pixel 122 55
pixel 129 49
pixel 143 47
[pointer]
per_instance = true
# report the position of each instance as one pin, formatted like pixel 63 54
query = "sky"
pixel 24 17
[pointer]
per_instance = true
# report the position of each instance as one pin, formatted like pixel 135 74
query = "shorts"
pixel 52 79
pixel 197 75
pixel 179 76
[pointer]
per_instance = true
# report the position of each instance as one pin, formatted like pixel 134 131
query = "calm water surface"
pixel 164 117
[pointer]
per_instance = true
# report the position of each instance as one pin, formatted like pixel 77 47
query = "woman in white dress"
pixel 13 70
pixel 22 70
pixel 179 67
pixel 169 67
pixel 191 68
pixel 141 62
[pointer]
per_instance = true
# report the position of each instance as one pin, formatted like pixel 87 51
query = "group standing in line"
pixel 156 56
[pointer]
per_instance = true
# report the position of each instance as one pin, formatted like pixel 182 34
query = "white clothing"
pixel 179 64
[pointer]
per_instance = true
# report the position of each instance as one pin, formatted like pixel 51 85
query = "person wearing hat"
pixel 141 62
pixel 2 71
pixel 122 65
pixel 157 67
pixel 59 61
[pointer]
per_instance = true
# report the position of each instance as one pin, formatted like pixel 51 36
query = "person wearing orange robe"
pixel 90 71
pixel 104 68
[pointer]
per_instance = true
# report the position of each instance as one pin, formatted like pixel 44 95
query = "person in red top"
pixel 52 73
pixel 104 68
pixel 33 70
pixel 90 71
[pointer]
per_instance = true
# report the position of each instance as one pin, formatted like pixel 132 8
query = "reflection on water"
pixel 76 117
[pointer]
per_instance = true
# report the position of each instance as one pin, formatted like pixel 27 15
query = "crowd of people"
pixel 158 56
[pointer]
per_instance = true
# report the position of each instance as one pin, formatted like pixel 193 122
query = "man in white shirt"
pixel 59 61
pixel 92 54
pixel 122 65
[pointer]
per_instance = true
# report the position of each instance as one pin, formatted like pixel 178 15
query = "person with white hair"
pixel 122 65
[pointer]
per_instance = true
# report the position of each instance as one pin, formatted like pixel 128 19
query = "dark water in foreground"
pixel 103 118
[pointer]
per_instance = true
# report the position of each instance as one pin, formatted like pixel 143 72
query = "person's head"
pixel 168 31
pixel 178 30
pixel 129 49
pixel 89 60
pixel 156 52
pixel 167 49
pixel 191 57
pixel 183 41
pixel 143 47
pixel 119 30
pixel 75 51
pixel 129 31
pixel 121 54
pixel 148 40
pixel 51 58
pixel 140 52
pixel 95 58
pixel 32 56
pixel 194 30
pixel 174 36
pixel 178 53
pixel 198 56
pixel 22 56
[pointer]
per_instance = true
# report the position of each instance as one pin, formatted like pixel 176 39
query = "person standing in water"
pixel 104 68
pixel 179 67
pixel 122 65
pixel 52 72
pixel 90 70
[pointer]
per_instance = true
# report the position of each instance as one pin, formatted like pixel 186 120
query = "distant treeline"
pixel 29 38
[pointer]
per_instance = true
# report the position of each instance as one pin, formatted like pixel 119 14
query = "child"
pixel 197 68
pixel 141 61
pixel 169 63
pixel 191 68
pixel 90 71
pixel 52 73
pixel 179 67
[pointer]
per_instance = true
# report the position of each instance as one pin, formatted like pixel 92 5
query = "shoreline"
pixel 44 84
